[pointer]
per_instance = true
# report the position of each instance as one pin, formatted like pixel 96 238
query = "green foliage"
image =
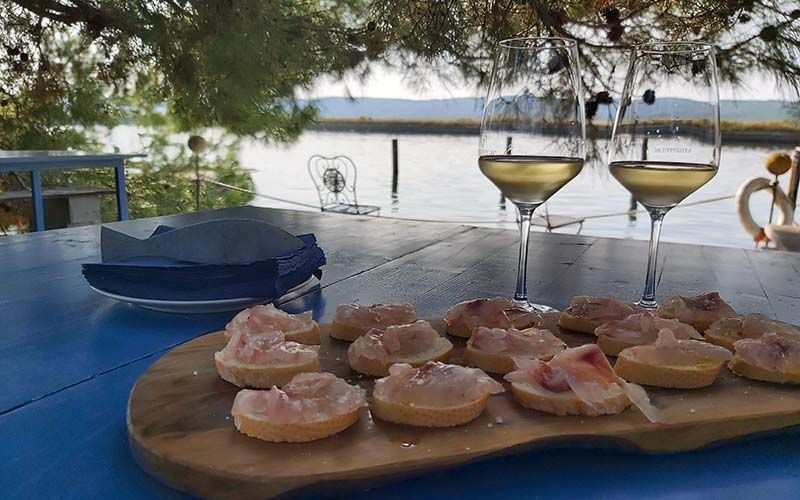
pixel 69 65
pixel 165 183
pixel 238 64
pixel 235 64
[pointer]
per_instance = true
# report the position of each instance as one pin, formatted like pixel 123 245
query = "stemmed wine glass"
pixel 533 131
pixel 661 149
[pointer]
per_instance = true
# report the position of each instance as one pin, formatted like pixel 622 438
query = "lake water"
pixel 439 180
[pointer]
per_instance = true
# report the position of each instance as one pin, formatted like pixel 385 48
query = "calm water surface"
pixel 439 180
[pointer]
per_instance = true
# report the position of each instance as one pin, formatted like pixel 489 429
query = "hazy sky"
pixel 387 82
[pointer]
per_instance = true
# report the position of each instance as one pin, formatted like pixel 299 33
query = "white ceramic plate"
pixel 208 306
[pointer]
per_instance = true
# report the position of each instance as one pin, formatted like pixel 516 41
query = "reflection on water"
pixel 439 179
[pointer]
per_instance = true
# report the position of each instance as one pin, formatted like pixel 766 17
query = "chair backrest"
pixel 334 178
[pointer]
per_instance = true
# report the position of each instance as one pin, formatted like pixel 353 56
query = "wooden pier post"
pixel 395 166
pixel 508 152
pixel 633 205
pixel 794 178
pixel 197 183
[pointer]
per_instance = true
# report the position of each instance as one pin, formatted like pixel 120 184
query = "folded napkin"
pixel 237 258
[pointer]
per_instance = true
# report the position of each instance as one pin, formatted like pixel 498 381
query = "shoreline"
pixel 740 134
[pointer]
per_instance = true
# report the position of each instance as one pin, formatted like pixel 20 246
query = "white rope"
pixel 242 190
pixel 599 216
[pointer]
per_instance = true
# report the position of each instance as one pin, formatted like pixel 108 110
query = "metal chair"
pixel 335 181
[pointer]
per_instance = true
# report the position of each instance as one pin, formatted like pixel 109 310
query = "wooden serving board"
pixel 180 428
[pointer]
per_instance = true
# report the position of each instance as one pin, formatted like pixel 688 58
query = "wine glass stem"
pixel 648 299
pixel 525 214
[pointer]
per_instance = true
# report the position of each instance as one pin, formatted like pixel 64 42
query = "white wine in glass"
pixel 529 180
pixel 533 131
pixel 660 156
pixel 661 184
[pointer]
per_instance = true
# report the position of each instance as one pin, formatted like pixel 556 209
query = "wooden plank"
pixel 412 276
pixel 73 445
pixel 194 446
pixel 495 273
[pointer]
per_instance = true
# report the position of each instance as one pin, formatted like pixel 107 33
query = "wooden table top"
pixel 68 357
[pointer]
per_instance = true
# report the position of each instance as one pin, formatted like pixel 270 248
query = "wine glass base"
pixel 538 308
pixel 647 304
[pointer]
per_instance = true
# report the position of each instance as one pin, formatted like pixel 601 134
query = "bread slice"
pixel 439 351
pixel 745 369
pixel 576 324
pixel 347 333
pixel 293 432
pixel 459 330
pixel 243 374
pixel 309 336
pixel 721 340
pixel 612 347
pixel 492 363
pixel 401 413
pixel 674 377
pixel 563 403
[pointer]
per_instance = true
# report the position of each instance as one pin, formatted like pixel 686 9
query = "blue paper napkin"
pixel 163 278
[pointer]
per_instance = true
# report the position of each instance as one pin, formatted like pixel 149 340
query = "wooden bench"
pixel 65 206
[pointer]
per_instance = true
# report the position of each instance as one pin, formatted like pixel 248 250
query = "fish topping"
pixel 642 328
pixel 750 326
pixel 308 397
pixel 375 316
pixel 497 312
pixel 584 370
pixel 529 343
pixel 699 311
pixel 264 318
pixel 267 348
pixel 398 341
pixel 671 351
pixel 598 309
pixel 772 352
pixel 435 385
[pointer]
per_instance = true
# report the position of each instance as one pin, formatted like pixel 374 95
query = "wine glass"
pixel 662 148
pixel 533 130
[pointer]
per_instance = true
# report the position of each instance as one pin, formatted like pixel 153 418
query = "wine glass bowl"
pixel 533 133
pixel 657 153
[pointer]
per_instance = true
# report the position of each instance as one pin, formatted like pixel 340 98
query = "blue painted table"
pixel 37 161
pixel 69 357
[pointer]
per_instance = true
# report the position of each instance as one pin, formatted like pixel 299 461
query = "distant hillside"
pixel 401 109
pixel 470 109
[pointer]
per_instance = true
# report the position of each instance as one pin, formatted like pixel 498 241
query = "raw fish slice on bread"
pixel 353 320
pixel 264 359
pixel 639 329
pixel 299 328
pixel 727 331
pixel 497 312
pixel 672 362
pixel 771 358
pixel 433 395
pixel 585 313
pixel 309 407
pixel 577 381
pixel 415 344
pixel 494 349
pixel 699 311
